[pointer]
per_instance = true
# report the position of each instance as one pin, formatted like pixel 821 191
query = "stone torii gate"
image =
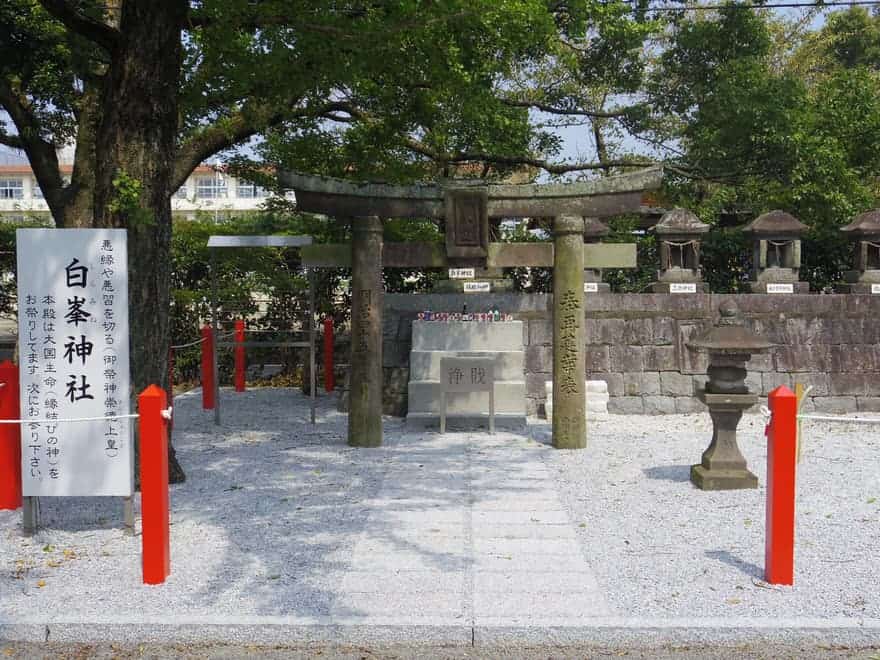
pixel 466 207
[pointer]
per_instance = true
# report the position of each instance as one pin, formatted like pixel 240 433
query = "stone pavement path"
pixel 468 529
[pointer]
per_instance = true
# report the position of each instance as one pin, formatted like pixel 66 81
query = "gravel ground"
pixel 275 510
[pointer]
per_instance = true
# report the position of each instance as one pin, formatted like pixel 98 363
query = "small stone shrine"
pixel 432 341
pixel 864 232
pixel 776 256
pixel 729 345
pixel 594 230
pixel 678 237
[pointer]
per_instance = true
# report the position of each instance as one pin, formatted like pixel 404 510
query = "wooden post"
pixel 207 368
pixel 154 485
pixel 239 356
pixel 781 480
pixel 10 438
pixel 365 407
pixel 329 380
pixel 569 350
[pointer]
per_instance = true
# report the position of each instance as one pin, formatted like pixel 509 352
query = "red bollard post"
pixel 329 380
pixel 239 356
pixel 781 483
pixel 207 368
pixel 10 438
pixel 154 485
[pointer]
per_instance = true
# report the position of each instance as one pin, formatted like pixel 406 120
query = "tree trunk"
pixel 134 156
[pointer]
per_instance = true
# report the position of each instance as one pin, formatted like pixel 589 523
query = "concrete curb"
pixel 605 631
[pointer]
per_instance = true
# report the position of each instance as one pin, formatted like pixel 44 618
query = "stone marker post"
pixel 569 350
pixel 365 409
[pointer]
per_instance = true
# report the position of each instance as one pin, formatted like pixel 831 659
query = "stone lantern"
pixel 776 253
pixel 729 345
pixel 864 231
pixel 594 230
pixel 678 237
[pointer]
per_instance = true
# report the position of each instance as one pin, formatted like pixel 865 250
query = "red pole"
pixel 154 485
pixel 10 438
pixel 781 478
pixel 239 356
pixel 329 381
pixel 207 368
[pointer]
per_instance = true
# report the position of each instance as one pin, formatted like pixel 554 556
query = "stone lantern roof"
pixel 865 224
pixel 594 228
pixel 730 335
pixel 680 222
pixel 776 223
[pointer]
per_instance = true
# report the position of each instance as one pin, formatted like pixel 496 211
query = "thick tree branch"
pixel 40 153
pixel 546 107
pixel 83 25
pixel 11 141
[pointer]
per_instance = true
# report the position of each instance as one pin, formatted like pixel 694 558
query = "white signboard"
pixel 461 273
pixel 780 288
pixel 73 338
pixel 683 287
pixel 477 287
pixel 591 287
pixel 875 288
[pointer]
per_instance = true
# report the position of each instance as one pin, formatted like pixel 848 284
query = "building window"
pixel 11 189
pixel 248 190
pixel 36 191
pixel 181 192
pixel 210 187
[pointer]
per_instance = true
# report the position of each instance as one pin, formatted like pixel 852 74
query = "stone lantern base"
pixel 723 466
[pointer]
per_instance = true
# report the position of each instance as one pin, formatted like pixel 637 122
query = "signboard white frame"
pixel 74 339
pixel 477 287
pixel 875 288
pixel 780 288
pixel 591 287
pixel 461 273
pixel 682 287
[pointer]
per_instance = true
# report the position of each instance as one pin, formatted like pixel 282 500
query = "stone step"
pixel 425 365
pixel 424 397
pixel 467 336
pixel 458 423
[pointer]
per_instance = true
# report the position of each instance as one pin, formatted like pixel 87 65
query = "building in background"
pixel 209 193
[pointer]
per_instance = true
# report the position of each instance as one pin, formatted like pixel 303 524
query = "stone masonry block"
pixel 404 330
pixel 760 362
pixel 835 404
pixel 664 331
pixel 389 326
pixel 641 383
pixel 395 379
pixel 540 332
pixel 852 358
pixel 533 406
pixel 394 354
pixel 849 384
pixel 659 405
pixel 868 403
pixel 660 358
pixel 754 382
pixel 771 380
pixel 673 383
pixel 536 385
pixel 626 405
pixel 688 404
pixel 539 358
pixel 613 380
pixel 846 331
pixel 598 357
pixel 638 332
pixel 627 358
pixel 801 357
pixel 608 331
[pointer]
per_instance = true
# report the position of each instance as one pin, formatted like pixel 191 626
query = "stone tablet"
pixel 467 374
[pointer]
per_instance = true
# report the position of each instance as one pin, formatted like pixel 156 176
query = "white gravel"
pixel 274 511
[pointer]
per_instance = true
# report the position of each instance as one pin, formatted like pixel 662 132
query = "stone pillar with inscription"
pixel 569 350
pixel 365 408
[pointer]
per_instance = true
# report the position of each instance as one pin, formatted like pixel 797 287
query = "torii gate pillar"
pixel 365 410
pixel 569 349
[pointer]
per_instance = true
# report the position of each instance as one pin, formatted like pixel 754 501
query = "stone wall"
pixel 636 342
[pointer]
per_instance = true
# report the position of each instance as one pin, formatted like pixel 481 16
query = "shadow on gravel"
pixel 746 567
pixel 674 473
